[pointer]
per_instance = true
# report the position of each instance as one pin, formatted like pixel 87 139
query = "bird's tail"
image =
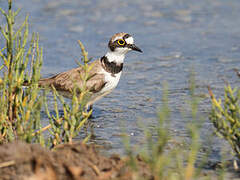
pixel 45 82
pixel 26 83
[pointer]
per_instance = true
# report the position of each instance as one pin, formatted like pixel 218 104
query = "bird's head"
pixel 121 43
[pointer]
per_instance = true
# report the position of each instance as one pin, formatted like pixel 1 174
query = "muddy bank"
pixel 23 161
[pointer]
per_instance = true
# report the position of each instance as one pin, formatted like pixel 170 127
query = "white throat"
pixel 115 57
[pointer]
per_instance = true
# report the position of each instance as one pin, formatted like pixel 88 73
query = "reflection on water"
pixel 175 35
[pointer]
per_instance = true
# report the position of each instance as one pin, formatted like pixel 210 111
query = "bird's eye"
pixel 121 42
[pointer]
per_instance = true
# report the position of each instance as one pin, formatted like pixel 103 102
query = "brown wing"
pixel 66 81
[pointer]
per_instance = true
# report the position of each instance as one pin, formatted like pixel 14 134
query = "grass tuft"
pixel 21 108
pixel 225 117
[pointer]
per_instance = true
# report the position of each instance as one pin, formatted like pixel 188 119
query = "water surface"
pixel 175 36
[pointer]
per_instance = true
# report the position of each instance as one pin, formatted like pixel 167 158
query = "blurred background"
pixel 176 36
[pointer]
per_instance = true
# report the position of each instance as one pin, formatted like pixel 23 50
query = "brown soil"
pixel 78 161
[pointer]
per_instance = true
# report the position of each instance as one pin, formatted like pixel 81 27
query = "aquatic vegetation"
pixel 21 108
pixel 225 117
pixel 167 158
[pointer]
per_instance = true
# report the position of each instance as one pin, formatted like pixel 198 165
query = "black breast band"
pixel 111 67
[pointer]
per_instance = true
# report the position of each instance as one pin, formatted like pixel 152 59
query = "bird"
pixel 105 72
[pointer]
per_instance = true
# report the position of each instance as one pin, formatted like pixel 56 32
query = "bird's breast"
pixel 111 81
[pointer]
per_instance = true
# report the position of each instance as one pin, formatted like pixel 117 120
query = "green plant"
pixel 225 117
pixel 20 108
pixel 166 158
pixel 65 128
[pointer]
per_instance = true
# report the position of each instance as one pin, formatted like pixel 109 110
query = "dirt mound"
pixel 78 161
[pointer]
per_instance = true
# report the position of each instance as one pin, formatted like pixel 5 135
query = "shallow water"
pixel 175 36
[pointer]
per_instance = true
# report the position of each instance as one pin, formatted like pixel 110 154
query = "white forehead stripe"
pixel 129 40
pixel 116 38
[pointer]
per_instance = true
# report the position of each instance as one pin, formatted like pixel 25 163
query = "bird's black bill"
pixel 135 48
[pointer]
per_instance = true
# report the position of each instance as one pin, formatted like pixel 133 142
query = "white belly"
pixel 111 81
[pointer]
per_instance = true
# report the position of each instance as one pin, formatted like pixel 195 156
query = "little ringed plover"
pixel 105 72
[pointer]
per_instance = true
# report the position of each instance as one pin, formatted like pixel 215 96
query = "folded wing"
pixel 66 81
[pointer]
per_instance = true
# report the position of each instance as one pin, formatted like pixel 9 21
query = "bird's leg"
pixel 90 107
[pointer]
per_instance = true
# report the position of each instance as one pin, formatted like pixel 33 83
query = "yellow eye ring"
pixel 121 42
